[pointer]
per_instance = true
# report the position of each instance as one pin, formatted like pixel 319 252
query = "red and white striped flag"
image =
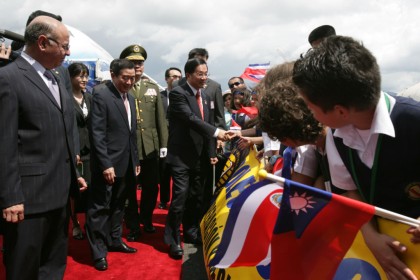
pixel 255 72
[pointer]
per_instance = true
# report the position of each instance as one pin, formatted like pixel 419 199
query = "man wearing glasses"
pixel 191 148
pixel 236 83
pixel 38 168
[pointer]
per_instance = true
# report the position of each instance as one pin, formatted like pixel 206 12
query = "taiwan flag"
pixel 255 72
pixel 313 232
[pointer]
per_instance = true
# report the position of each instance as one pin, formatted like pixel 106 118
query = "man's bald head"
pixel 47 41
pixel 41 25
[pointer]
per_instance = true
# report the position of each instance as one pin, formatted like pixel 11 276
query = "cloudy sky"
pixel 237 33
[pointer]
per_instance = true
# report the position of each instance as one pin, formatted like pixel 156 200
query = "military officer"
pixel 152 137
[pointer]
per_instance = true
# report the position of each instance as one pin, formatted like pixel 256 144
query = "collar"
pixel 35 64
pixel 381 123
pixel 194 90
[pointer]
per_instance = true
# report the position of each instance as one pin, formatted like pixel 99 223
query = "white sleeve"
pixel 340 176
pixel 306 162
pixel 270 145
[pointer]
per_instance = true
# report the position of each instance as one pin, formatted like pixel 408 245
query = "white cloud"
pixel 237 33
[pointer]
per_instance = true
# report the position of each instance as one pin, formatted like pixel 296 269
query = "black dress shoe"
pixel 123 248
pixel 133 235
pixel 149 228
pixel 162 205
pixel 175 251
pixel 100 264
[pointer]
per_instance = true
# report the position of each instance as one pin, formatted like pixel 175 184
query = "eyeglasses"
pixel 175 77
pixel 201 75
pixel 65 47
pixel 235 84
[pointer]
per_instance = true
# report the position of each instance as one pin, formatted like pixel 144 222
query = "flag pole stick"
pixel 378 211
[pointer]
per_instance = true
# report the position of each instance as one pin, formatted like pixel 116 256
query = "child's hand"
pixel 386 250
pixel 416 234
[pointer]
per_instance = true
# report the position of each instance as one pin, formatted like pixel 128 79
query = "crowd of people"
pixel 66 150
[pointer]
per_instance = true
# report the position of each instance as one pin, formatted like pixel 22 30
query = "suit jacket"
pixel 112 141
pixel 164 94
pixel 82 125
pixel 37 148
pixel 189 135
pixel 152 128
pixel 62 75
pixel 214 91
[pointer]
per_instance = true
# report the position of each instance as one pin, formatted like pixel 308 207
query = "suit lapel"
pixel 34 77
pixel 192 100
pixel 77 107
pixel 119 103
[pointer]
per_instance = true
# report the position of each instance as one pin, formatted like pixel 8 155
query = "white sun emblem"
pixel 300 203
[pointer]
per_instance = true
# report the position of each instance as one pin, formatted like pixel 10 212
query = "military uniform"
pixel 152 136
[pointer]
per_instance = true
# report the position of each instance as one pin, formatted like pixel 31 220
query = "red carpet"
pixel 149 263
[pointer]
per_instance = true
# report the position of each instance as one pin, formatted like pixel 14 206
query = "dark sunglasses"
pixel 235 84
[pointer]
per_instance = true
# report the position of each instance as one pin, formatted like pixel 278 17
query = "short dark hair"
pixel 321 32
pixel 77 68
pixel 119 64
pixel 198 52
pixel 240 79
pixel 192 64
pixel 170 69
pixel 38 13
pixel 341 71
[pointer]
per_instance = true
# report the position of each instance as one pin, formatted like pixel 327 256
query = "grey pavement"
pixel 193 267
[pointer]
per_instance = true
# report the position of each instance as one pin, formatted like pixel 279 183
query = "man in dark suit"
pixel 214 91
pixel 114 161
pixel 191 146
pixel 152 140
pixel 37 170
pixel 172 74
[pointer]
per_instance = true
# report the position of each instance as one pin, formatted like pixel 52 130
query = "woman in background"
pixel 79 74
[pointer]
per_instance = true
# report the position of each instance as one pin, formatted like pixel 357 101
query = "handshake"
pixel 224 135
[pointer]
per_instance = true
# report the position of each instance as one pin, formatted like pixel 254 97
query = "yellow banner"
pixel 359 261
pixel 240 172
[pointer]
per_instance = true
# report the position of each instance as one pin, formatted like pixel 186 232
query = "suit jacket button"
pixel 67 160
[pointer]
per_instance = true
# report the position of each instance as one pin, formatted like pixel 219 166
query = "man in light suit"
pixel 152 139
pixel 37 170
pixel 191 147
pixel 114 161
pixel 172 74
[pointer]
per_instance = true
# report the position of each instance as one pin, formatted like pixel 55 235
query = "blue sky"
pixel 237 33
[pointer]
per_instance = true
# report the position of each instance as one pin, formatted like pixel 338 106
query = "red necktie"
pixel 200 103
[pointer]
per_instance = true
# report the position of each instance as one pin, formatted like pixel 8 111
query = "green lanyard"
pixel 375 163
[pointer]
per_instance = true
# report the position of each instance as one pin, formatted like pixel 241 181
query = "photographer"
pixel 5 54
pixel 10 53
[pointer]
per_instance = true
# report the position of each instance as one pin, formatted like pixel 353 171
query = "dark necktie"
pixel 52 85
